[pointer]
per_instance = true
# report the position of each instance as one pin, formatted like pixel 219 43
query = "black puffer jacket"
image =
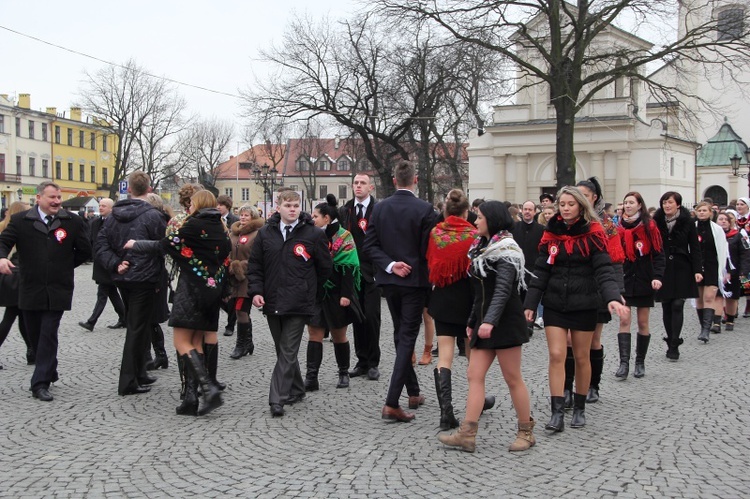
pixel 289 274
pixel 575 281
pixel 131 219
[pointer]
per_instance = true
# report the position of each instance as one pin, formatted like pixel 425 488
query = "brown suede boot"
pixel 465 437
pixel 525 437
pixel 426 355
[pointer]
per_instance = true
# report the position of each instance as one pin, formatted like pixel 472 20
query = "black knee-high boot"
pixel 211 352
pixel 624 345
pixel 314 359
pixel 160 353
pixel 211 393
pixel 641 349
pixel 570 372
pixel 189 390
pixel 444 389
pixel 343 354
pixel 597 366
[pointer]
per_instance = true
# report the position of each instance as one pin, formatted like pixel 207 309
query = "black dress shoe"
pixel 357 371
pixel 135 390
pixel 43 395
pixel 277 410
pixel 293 399
pixel 373 374
pixel 86 325
pixel 147 380
pixel 228 332
pixel 118 325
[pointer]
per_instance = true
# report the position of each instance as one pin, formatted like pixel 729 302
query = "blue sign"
pixel 123 187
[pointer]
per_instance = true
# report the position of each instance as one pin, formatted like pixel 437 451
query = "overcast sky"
pixel 208 44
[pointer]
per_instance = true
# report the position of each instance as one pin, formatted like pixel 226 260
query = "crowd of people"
pixel 486 274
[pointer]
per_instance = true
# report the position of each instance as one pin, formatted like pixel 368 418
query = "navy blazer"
pixel 398 232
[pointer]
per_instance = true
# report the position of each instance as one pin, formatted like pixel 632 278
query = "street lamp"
pixel 19 192
pixel 266 177
pixel 735 161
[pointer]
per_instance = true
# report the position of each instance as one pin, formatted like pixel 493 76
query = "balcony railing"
pixel 9 177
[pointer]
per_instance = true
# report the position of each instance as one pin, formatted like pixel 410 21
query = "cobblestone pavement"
pixel 682 431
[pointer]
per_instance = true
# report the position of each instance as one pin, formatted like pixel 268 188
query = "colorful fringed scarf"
pixel 614 242
pixel 345 259
pixel 638 239
pixel 447 251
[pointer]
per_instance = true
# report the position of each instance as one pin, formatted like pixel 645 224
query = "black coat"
pixel 99 274
pixel 575 281
pixel 638 273
pixel 289 282
pixel 528 237
pixel 47 256
pixel 398 232
pixel 131 219
pixel 683 257
pixel 348 220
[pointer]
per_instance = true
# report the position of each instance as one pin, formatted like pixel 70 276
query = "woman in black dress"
pixel 738 265
pixel 683 266
pixel 200 247
pixel 643 272
pixel 714 252
pixel 340 305
pixel 572 271
pixel 497 327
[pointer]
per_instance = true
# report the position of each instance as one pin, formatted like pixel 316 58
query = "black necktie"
pixel 360 211
pixel 49 219
pixel 288 230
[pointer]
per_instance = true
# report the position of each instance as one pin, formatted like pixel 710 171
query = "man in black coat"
pixel 528 233
pixel 396 241
pixel 105 287
pixel 135 274
pixel 224 204
pixel 50 243
pixel 288 265
pixel 355 217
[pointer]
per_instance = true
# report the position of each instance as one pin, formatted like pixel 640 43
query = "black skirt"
pixel 710 274
pixel 331 315
pixel 640 301
pixel 450 329
pixel 580 320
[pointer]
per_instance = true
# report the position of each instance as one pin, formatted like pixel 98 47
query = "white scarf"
pixel 507 249
pixel 722 253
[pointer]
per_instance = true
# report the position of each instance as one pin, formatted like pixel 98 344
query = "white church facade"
pixel 623 137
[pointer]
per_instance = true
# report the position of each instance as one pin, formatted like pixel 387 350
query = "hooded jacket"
pixel 131 219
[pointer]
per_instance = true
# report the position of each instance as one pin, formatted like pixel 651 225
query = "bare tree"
pixel 136 107
pixel 203 147
pixel 563 46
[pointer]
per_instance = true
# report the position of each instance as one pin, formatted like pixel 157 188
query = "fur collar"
pixel 682 222
pixel 558 227
pixel 251 226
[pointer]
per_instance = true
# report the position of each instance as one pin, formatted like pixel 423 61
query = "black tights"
pixel 673 317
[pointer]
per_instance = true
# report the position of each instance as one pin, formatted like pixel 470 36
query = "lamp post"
pixel 267 178
pixel 735 161
pixel 19 192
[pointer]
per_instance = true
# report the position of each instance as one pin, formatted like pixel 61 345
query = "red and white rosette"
pixel 553 250
pixel 243 239
pixel 60 235
pixel 700 239
pixel 639 247
pixel 362 224
pixel 299 250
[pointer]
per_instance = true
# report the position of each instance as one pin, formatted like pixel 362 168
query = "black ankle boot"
pixel 557 420
pixel 729 324
pixel 189 391
pixel 445 398
pixel 623 343
pixel 212 363
pixel 578 420
pixel 570 372
pixel 343 354
pixel 716 326
pixel 708 320
pixel 161 361
pixel 244 345
pixel 641 349
pixel 211 393
pixel 597 366
pixel 314 359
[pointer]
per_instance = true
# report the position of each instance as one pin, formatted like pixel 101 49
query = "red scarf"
pixel 448 249
pixel 595 235
pixel 637 240
pixel 731 233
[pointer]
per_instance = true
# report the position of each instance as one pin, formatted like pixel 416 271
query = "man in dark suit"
pixel 528 232
pixel 224 204
pixel 396 241
pixel 105 287
pixel 355 217
pixel 50 243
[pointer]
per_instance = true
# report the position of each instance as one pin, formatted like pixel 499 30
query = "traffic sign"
pixel 123 187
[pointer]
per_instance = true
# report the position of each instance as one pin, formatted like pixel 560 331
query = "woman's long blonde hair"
pixel 587 212
pixel 15 207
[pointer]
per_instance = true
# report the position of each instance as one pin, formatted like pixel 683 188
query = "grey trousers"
pixel 286 380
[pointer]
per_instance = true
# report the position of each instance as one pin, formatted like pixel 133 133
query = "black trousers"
pixel 367 333
pixel 406 305
pixel 41 327
pixel 104 292
pixel 228 307
pixel 286 380
pixel 139 307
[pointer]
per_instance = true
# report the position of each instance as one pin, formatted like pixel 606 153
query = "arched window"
pixel 717 194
